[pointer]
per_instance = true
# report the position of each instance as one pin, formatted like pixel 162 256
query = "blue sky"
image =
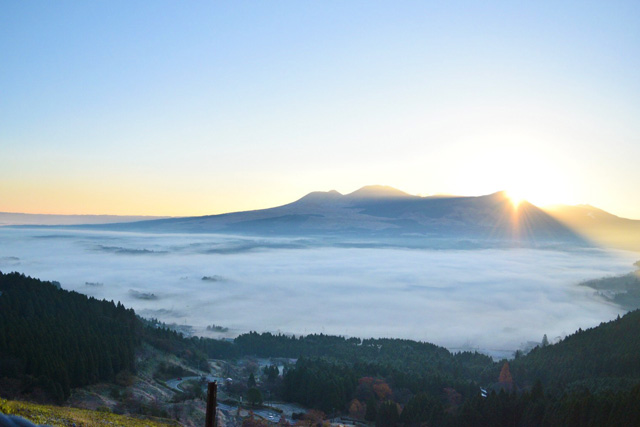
pixel 175 108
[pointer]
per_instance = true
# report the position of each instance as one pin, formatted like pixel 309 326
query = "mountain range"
pixel 384 213
pixel 380 212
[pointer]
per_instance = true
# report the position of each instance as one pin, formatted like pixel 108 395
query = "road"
pixel 267 414
pixel 174 384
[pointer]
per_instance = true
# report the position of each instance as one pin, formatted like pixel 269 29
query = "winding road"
pixel 266 414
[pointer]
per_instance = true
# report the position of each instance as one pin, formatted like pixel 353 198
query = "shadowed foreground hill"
pixel 591 378
pixel 54 340
pixel 604 356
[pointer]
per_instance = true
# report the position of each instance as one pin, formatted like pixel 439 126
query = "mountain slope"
pixel 599 226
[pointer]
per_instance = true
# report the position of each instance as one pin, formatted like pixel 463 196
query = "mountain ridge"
pixel 383 212
pixel 380 212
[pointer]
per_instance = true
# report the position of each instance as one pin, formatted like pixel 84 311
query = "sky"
pixel 174 108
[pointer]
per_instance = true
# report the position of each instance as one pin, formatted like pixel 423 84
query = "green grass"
pixel 62 416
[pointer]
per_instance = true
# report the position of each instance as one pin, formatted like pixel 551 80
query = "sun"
pixel 515 197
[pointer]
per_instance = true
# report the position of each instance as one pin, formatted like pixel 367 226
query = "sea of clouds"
pixel 495 300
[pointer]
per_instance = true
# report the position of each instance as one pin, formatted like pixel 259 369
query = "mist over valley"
pixel 492 299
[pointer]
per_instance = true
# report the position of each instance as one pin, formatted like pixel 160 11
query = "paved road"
pixel 267 414
pixel 175 382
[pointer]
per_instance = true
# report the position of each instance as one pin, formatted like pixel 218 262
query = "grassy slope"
pixel 61 416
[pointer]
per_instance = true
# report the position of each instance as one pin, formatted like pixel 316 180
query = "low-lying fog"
pixel 490 299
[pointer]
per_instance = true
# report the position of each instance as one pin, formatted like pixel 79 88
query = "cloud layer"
pixel 490 299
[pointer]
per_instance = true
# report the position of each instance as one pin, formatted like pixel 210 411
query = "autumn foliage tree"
pixel 251 421
pixel 314 417
pixel 382 390
pixel 505 375
pixel 505 379
pixel 356 409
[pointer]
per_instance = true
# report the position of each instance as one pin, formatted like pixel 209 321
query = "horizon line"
pixel 420 195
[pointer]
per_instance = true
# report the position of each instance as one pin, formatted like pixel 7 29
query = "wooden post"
pixel 212 396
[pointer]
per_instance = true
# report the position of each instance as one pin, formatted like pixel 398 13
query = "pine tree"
pixel 252 381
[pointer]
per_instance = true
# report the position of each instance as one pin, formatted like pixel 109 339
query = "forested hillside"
pixel 604 356
pixel 52 340
pixel 623 290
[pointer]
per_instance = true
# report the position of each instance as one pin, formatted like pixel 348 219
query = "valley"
pixel 321 376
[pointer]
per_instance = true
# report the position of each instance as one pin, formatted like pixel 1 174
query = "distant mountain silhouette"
pixel 382 212
pixel 12 218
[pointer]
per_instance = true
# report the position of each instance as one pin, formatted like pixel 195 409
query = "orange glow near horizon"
pixel 95 198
